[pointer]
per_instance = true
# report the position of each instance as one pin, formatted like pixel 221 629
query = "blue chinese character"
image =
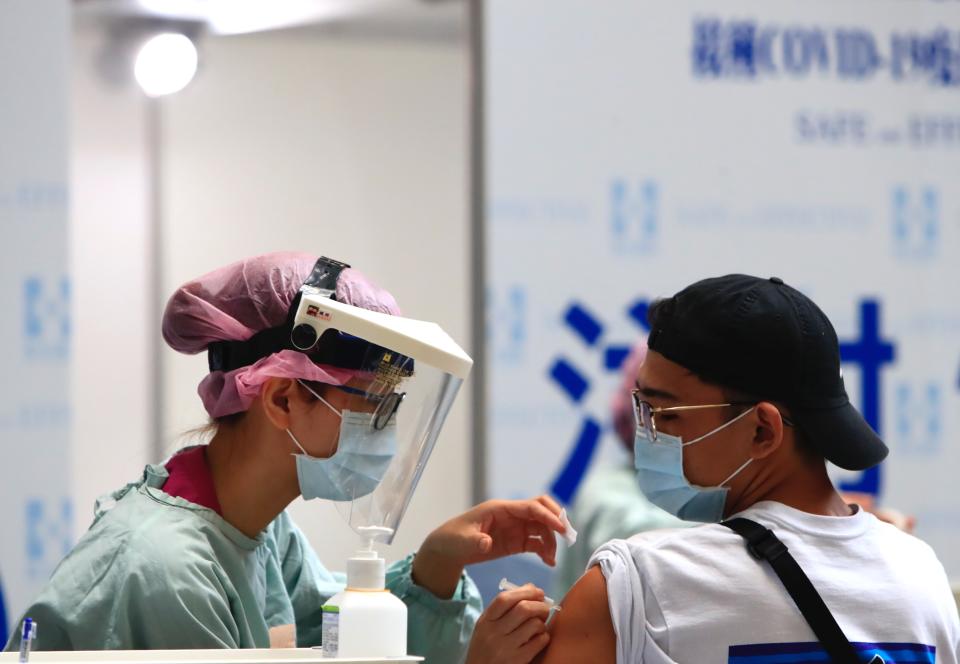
pixel 870 352
pixel 706 48
pixel 742 40
pixel 935 57
pixel 575 384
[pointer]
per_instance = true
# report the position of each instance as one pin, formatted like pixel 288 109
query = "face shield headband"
pixel 331 348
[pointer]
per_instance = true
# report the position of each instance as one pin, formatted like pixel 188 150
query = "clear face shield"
pixel 406 376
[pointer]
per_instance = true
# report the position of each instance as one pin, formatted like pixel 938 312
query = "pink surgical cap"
pixel 235 302
pixel 624 420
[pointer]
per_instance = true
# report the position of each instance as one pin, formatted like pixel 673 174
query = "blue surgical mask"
pixel 356 468
pixel 659 467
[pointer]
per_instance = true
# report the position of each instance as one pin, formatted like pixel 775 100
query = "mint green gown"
pixel 159 572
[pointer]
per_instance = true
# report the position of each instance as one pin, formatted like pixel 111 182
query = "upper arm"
pixel 146 596
pixel 582 630
pixel 168 606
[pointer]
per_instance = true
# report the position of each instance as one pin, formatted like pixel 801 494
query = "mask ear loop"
pixel 736 472
pixel 296 442
pixel 320 398
pixel 325 402
pixel 720 428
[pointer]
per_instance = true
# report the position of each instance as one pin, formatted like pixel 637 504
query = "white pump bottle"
pixel 366 619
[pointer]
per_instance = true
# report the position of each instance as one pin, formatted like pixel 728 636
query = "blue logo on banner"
pixel 575 384
pixel 634 216
pixel 915 222
pixel 919 418
pixel 49 535
pixel 507 324
pixel 46 318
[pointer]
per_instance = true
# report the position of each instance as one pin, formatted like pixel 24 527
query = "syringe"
pixel 507 585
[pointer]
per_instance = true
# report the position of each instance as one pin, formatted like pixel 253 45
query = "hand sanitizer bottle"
pixel 366 619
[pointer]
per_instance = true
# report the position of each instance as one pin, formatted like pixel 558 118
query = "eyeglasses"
pixel 387 405
pixel 645 412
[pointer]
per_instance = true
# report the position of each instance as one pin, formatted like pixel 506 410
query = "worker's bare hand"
pixel 500 528
pixel 490 530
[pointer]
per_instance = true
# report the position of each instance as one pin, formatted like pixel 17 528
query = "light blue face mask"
pixel 359 464
pixel 659 467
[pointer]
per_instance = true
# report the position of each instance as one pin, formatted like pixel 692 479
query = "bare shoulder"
pixel 582 631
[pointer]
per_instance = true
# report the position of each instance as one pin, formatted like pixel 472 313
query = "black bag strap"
pixel 764 545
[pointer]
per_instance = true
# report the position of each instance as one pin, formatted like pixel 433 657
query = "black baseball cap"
pixel 766 339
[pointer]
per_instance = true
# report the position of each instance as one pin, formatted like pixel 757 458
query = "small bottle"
pixel 366 619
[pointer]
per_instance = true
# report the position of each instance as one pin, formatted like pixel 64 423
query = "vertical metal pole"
pixel 154 255
pixel 478 250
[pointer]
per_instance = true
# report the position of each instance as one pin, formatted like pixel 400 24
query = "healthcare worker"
pixel 740 403
pixel 316 388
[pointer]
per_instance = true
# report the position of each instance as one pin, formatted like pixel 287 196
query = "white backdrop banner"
pixel 633 148
pixel 36 517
